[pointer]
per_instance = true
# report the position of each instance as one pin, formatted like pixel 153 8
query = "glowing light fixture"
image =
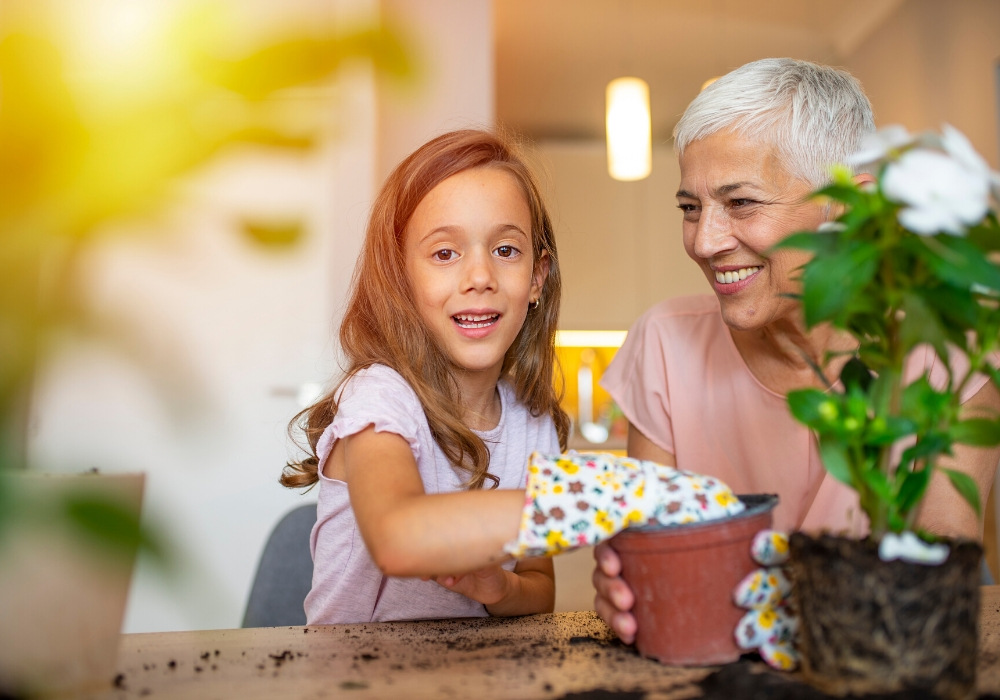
pixel 630 153
pixel 590 339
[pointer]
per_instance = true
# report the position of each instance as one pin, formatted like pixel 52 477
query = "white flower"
pixel 881 144
pixel 955 143
pixel 942 192
pixel 909 547
pixel 960 148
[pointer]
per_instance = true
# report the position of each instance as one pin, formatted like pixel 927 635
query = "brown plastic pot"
pixel 683 577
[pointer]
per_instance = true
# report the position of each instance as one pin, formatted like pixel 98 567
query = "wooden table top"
pixel 562 655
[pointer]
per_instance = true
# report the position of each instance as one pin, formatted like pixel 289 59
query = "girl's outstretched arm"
pixel 409 532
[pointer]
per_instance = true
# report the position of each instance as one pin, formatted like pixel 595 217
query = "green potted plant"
pixel 99 119
pixel 910 266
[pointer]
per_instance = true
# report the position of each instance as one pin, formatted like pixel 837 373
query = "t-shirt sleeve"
pixel 376 396
pixel 637 381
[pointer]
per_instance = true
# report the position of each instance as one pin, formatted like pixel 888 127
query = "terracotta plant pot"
pixel 683 577
pixel 869 626
pixel 62 600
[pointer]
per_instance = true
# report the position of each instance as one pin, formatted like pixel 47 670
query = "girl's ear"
pixel 540 274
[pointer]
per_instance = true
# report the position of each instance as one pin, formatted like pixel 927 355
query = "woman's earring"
pixel 534 304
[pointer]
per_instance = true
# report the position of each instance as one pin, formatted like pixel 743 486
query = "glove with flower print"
pixel 579 499
pixel 770 626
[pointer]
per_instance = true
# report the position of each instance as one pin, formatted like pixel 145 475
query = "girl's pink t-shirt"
pixel 346 584
pixel 680 380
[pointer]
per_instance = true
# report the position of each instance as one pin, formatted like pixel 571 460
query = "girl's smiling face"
pixel 738 200
pixel 469 262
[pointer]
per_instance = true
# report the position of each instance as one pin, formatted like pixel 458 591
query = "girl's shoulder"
pixel 376 377
pixel 376 395
pixel 378 385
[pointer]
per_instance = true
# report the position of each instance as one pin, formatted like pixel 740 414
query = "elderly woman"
pixel 702 380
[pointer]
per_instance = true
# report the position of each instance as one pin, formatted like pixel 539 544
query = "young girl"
pixel 421 450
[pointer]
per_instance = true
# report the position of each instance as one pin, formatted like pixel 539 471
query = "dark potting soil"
pixel 853 641
pixel 746 681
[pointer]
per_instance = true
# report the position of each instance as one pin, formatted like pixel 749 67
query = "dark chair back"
pixel 284 573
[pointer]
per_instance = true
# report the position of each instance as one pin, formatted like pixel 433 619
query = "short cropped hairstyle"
pixel 814 115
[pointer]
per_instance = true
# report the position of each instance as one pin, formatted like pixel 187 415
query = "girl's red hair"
pixel 382 325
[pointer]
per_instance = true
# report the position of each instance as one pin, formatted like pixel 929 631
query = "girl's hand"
pixel 488 586
pixel 527 590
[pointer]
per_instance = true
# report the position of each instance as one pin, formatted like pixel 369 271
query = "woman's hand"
pixel 614 599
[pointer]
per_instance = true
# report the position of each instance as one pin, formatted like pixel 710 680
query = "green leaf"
pixel 923 403
pixel 957 307
pixel 856 373
pixel 921 325
pixel 303 60
pixel 811 241
pixel 104 522
pixel 896 522
pixel 274 234
pixel 959 262
pixel 833 282
pixel 980 432
pixel 107 525
pixel 886 431
pixel 835 461
pixel 985 236
pixel 966 488
pixel 812 407
pixel 912 488
pixel 928 446
pixel 879 484
pixel 848 193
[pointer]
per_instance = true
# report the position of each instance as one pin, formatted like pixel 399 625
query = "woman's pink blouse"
pixel 680 380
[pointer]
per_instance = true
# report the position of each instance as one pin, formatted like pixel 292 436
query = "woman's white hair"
pixel 815 115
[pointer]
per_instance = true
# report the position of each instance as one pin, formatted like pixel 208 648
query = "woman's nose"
pixel 713 234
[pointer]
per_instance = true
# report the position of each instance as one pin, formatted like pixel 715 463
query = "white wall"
pixel 219 336
pixel 935 62
pixel 619 243
pixel 453 45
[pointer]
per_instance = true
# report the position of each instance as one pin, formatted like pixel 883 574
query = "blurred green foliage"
pixel 102 109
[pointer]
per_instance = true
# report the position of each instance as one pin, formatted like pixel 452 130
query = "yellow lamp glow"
pixel 630 154
pixel 590 339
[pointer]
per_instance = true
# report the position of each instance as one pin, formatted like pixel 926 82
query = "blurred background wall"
pixel 225 340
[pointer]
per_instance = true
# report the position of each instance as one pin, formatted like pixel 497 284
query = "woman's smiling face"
pixel 738 200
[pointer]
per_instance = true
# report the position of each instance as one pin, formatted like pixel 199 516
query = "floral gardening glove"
pixel 579 499
pixel 771 625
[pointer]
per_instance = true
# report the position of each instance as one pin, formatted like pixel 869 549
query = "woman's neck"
pixel 784 356
pixel 480 399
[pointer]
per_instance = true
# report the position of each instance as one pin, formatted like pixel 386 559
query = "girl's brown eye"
pixel 444 255
pixel 505 251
